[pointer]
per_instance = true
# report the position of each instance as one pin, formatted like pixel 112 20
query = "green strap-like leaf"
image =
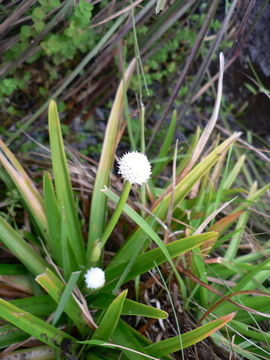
pixel 123 339
pixel 67 293
pixel 9 335
pixel 41 306
pixel 64 192
pixel 165 148
pixel 21 249
pixel 53 217
pixel 55 288
pixel 36 327
pixel 130 307
pixel 150 259
pixel 26 188
pixel 183 341
pixel 110 319
pixel 124 336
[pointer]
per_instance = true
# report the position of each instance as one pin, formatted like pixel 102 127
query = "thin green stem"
pixel 126 109
pixel 139 64
pixel 143 188
pixel 116 215
pixel 142 128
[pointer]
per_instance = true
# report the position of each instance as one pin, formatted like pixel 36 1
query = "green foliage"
pixel 187 236
pixel 75 37
pixel 49 5
pixel 57 46
pixel 9 85
pixel 55 220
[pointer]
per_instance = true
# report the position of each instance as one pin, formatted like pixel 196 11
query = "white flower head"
pixel 95 278
pixel 134 167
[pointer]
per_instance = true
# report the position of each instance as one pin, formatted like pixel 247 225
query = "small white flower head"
pixel 134 167
pixel 95 278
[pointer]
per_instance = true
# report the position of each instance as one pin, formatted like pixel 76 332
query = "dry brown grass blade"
pixel 116 14
pixel 39 352
pixel 182 183
pixel 246 144
pixel 25 5
pixel 211 124
pixel 17 282
pixel 226 221
pixel 205 87
pixel 220 226
pixel 211 217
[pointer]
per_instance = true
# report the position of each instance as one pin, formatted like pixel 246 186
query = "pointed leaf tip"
pixel 52 103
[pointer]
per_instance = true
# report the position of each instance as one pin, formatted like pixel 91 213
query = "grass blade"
pixel 64 192
pixel 53 216
pixel 34 326
pixel 36 353
pixel 212 122
pixel 150 259
pixel 65 296
pixel 158 167
pixel 124 340
pixel 253 196
pixel 55 288
pixel 25 186
pixel 38 305
pixel 130 307
pixel 110 319
pixel 136 355
pixel 10 335
pixel 177 343
pixel 232 176
pixel 21 249
pixel 123 335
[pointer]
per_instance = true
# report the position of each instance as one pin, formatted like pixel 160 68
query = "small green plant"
pixel 57 47
pixel 76 37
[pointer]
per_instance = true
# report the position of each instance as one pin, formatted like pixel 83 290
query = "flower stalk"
pixel 134 168
pixel 116 215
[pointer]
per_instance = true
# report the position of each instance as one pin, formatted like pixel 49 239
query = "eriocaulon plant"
pixel 75 298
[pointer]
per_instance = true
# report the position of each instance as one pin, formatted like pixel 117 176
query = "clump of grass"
pixel 178 249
